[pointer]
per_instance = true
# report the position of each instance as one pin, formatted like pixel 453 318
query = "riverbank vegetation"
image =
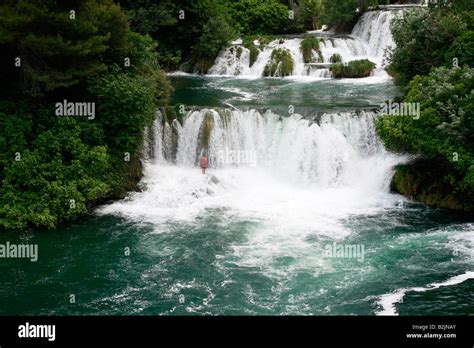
pixel 54 167
pixel 434 53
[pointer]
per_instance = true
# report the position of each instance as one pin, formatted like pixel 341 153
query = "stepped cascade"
pixel 370 39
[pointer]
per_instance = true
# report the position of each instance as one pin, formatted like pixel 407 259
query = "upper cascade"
pixel 373 28
pixel 370 39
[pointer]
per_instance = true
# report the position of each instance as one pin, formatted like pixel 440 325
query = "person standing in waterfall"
pixel 203 163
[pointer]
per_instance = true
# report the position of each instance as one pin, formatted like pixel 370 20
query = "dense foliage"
pixel 259 16
pixel 423 39
pixel 190 33
pixel 445 128
pixel 342 14
pixel 434 55
pixel 54 168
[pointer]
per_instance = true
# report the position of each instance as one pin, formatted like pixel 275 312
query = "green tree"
pixel 423 39
pixel 313 11
pixel 342 14
pixel 462 50
pixel 54 169
pixel 55 49
pixel 216 34
pixel 259 16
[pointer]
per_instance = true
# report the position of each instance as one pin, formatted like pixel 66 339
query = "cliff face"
pixel 427 181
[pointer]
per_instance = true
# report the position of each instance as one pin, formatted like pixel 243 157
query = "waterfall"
pixel 327 150
pixel 369 39
pixel 373 28
pixel 234 60
pixel 160 139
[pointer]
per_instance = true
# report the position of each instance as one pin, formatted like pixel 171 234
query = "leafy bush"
pixel 462 49
pixel 55 178
pixel 423 38
pixel 353 69
pixel 216 34
pixel 259 16
pixel 281 63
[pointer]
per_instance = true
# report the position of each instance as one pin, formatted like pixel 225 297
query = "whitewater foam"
pixel 388 301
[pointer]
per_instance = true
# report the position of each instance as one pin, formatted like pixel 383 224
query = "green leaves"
pixel 446 125
pixel 55 50
pixel 462 50
pixel 423 38
pixel 259 16
pixel 216 33
pixel 54 169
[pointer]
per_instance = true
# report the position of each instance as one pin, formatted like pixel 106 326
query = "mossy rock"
pixel 206 130
pixel 428 181
pixel 254 52
pixel 171 113
pixel 336 58
pixel 353 69
pixel 281 64
pixel 308 44
pixel 239 52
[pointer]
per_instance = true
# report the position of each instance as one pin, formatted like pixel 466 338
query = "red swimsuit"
pixel 203 162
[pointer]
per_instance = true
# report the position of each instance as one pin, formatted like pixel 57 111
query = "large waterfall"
pixel 370 38
pixel 326 150
pixel 298 173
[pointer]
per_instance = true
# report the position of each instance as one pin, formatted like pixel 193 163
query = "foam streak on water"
pixel 388 301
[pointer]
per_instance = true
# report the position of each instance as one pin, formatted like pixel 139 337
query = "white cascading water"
pixel 297 175
pixel 370 38
pixel 331 153
pixel 374 28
